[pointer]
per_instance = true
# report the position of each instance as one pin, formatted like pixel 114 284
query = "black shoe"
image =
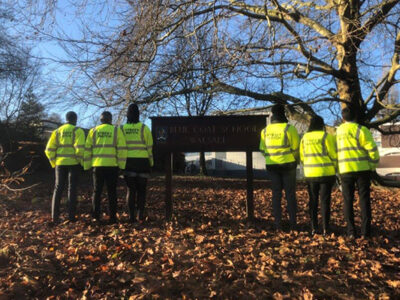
pixel 313 232
pixel 325 232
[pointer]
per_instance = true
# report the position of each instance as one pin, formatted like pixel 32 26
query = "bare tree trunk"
pixel 202 163
pixel 348 85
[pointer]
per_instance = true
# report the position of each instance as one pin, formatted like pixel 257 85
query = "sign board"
pixel 391 140
pixel 208 133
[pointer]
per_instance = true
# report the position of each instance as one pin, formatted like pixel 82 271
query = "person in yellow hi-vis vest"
pixel 279 144
pixel 358 155
pixel 319 158
pixel 105 152
pixel 139 142
pixel 65 153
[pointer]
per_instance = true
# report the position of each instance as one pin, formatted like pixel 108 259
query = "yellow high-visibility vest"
pixel 318 154
pixel 65 146
pixel 357 150
pixel 105 147
pixel 279 143
pixel 139 141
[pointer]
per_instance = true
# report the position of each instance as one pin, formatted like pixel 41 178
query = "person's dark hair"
pixel 278 113
pixel 133 113
pixel 71 117
pixel 348 114
pixel 316 123
pixel 106 117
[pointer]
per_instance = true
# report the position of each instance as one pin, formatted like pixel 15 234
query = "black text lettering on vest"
pixel 274 136
pixel 104 134
pixel 310 142
pixel 66 134
pixel 132 131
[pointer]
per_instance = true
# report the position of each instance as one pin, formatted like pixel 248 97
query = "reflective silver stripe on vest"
pixel 354 159
pixel 94 138
pixel 277 147
pixel 324 151
pixel 278 154
pixel 115 142
pixel 358 148
pixel 318 165
pixel 57 138
pixel 358 136
pixel 137 148
pixel 115 136
pixel 67 155
pixel 104 146
pixel 67 145
pixel 142 142
pixel 348 149
pixel 113 145
pixel 103 155
pixel 286 142
pixel 375 161
pixel 51 149
pixel 142 134
pixel 315 155
pixel 134 142
pixel 373 149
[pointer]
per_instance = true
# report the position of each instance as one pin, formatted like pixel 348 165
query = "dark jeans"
pixel 284 179
pixel 109 175
pixel 64 174
pixel 136 196
pixel 320 190
pixel 349 182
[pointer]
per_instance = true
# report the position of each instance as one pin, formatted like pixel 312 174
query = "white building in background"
pixel 234 163
pixel 389 150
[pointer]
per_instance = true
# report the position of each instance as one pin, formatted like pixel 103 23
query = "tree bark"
pixel 348 85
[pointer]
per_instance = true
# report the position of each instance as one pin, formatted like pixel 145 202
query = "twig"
pixel 18 190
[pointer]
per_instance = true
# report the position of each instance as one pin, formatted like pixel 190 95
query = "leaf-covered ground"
pixel 207 251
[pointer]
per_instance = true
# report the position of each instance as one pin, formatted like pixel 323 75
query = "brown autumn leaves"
pixel 207 251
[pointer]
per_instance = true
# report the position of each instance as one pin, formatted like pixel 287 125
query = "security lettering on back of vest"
pixel 309 142
pixel 274 136
pixel 104 134
pixel 66 134
pixel 345 136
pixel 132 131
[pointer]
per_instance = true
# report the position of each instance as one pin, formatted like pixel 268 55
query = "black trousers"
pixel 284 179
pixel 349 183
pixel 320 190
pixel 109 176
pixel 63 175
pixel 136 196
